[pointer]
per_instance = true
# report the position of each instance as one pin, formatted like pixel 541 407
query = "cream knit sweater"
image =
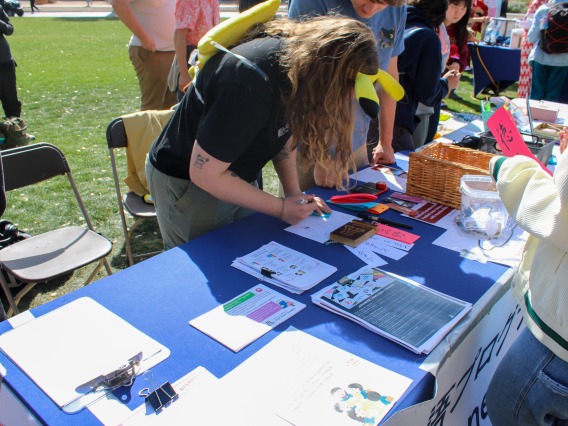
pixel 539 204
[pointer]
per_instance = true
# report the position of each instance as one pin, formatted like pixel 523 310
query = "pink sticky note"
pixel 396 234
pixel 508 137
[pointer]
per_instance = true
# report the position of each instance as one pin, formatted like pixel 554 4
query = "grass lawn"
pixel 74 77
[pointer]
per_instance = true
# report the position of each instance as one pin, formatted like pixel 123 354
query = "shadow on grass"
pixel 146 239
pixel 45 291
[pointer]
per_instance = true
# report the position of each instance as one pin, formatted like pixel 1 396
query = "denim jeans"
pixel 530 386
pixel 184 210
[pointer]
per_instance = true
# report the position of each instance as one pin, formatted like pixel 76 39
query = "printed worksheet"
pixel 284 267
pixel 394 307
pixel 247 317
pixel 307 381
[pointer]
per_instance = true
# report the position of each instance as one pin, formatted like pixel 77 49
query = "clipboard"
pixel 71 346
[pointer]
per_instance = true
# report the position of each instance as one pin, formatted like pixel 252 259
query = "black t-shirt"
pixel 241 118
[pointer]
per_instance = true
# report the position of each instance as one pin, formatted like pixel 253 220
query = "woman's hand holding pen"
pixel 296 208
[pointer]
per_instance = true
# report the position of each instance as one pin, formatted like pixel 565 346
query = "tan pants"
pixel 152 69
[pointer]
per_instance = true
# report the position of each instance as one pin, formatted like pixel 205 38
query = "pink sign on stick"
pixel 508 137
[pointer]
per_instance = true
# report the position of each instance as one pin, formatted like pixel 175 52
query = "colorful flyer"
pixel 247 317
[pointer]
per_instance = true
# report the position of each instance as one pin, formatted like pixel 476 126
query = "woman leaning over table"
pixel 530 386
pixel 239 114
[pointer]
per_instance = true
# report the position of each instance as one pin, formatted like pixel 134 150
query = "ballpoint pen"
pixel 384 221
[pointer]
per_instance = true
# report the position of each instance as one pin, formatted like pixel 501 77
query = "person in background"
pixel 549 69
pixel 504 7
pixel 193 19
pixel 247 4
pixel 8 90
pixel 429 116
pixel 151 47
pixel 386 20
pixel 525 78
pixel 287 81
pixel 33 7
pixel 456 22
pixel 530 386
pixel 420 66
pixel 479 16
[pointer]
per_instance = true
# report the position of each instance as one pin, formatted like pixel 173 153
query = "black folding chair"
pixel 56 252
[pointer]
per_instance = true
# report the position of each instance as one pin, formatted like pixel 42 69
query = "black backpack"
pixel 10 234
pixel 554 38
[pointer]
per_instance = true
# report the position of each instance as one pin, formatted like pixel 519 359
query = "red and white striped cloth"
pixel 525 78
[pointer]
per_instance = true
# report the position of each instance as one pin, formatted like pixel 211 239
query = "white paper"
pixel 395 178
pixel 376 245
pixel 314 383
pixel 473 247
pixel 74 344
pixel 188 388
pixel 284 267
pixel 366 255
pixel 247 317
pixel 318 228
pixel 379 239
pixel 202 400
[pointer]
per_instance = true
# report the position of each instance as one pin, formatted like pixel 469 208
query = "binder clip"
pixel 267 272
pixel 160 397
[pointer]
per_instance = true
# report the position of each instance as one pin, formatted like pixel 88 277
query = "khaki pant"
pixel 152 69
pixel 185 211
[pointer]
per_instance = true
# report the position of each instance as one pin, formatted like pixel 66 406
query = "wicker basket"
pixel 435 172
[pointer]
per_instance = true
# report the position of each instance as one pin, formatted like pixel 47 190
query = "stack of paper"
pixel 401 310
pixel 247 317
pixel 284 267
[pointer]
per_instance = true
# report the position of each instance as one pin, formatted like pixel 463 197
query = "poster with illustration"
pixel 307 381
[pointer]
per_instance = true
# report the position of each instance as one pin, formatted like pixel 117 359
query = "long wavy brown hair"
pixel 322 57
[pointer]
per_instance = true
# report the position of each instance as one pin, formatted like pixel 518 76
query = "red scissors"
pixel 353 198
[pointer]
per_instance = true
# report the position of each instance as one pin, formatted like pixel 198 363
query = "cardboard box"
pixel 542 112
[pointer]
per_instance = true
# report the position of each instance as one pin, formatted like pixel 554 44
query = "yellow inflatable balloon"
pixel 233 29
pixel 366 94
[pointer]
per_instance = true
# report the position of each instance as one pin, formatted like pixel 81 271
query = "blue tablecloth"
pixel 494 67
pixel 160 295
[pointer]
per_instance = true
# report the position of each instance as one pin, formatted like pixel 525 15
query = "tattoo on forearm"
pixel 200 162
pixel 284 154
